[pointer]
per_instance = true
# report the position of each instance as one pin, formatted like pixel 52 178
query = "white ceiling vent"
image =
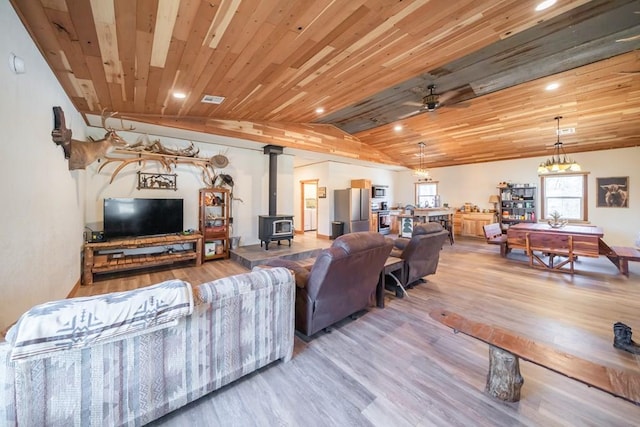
pixel 567 131
pixel 212 99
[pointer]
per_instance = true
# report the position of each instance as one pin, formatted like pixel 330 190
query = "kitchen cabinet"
pixel 472 223
pixel 394 222
pixel 373 221
pixel 361 183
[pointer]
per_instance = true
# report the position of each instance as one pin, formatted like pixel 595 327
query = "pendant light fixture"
pixel 421 172
pixel 558 161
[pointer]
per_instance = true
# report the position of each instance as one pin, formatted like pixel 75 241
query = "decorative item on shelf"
pixel 556 221
pixel 157 181
pixel 558 161
pixel 220 161
pixel 494 199
pixel 421 173
pixel 227 180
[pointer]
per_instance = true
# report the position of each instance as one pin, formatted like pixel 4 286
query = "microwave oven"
pixel 378 191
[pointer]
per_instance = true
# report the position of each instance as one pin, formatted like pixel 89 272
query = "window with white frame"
pixel 426 194
pixel 566 194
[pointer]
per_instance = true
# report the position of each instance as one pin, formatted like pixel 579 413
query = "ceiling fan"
pixel 431 101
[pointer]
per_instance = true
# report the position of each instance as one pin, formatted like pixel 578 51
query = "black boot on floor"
pixel 622 338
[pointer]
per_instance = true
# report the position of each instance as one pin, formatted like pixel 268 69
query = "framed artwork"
pixel 157 181
pixel 322 192
pixel 612 192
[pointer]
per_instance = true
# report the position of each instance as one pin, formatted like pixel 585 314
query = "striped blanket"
pixel 80 322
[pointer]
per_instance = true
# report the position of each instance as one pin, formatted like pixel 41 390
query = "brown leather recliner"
pixel 421 252
pixel 341 281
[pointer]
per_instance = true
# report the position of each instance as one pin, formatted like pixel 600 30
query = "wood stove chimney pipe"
pixel 273 151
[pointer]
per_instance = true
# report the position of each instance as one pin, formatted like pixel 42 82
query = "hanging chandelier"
pixel 558 161
pixel 421 172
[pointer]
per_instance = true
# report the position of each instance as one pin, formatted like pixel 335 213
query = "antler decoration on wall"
pixel 82 153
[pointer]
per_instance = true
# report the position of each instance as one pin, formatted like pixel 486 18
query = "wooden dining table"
pixel 587 240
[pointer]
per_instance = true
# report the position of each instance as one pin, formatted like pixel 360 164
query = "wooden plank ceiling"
pixel 367 63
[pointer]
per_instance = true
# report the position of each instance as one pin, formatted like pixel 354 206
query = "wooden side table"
pixel 392 265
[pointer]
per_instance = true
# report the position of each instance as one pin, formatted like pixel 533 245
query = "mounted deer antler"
pixel 143 144
pixel 82 153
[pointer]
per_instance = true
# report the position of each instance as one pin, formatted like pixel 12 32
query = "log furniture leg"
pixel 506 348
pixel 623 256
pixel 503 380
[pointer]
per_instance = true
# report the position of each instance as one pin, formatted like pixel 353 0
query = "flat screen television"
pixel 130 217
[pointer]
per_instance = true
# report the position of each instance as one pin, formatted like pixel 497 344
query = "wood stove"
pixel 274 227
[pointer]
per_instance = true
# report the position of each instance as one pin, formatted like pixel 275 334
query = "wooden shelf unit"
pixel 214 222
pixel 95 261
pixel 517 204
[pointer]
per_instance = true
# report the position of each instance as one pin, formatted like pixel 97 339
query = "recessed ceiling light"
pixel 545 5
pixel 179 95
pixel 397 128
pixel 552 86
pixel 319 110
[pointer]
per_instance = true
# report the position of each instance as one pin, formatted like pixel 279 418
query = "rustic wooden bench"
pixel 550 245
pixel 504 380
pixel 624 255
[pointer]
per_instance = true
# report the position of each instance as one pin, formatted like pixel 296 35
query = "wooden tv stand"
pixel 96 262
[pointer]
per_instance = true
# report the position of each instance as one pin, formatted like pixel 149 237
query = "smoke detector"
pixel 16 64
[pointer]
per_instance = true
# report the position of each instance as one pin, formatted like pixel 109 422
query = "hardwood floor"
pixel 398 367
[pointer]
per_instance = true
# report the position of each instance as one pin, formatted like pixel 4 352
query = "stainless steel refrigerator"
pixel 352 206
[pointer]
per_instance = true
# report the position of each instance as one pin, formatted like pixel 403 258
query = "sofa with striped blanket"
pixel 127 358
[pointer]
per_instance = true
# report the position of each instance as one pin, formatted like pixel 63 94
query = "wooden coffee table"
pixel 625 254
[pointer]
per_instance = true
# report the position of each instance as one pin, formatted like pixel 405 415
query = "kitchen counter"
pixel 421 215
pixel 426 212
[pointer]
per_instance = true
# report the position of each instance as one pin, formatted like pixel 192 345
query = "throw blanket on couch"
pixel 81 322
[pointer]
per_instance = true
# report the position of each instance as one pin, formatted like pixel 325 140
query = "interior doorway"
pixel 309 205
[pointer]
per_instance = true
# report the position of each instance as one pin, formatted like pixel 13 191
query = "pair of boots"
pixel 622 338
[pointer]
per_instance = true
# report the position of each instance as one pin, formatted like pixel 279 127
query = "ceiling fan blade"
pixel 443 98
pixel 413 103
pixel 628 39
pixel 459 105
pixel 413 113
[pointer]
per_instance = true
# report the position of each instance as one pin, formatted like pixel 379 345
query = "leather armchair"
pixel 421 252
pixel 341 281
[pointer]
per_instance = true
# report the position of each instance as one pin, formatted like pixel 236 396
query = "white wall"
pixel 249 169
pixel 41 220
pixel 336 176
pixel 475 183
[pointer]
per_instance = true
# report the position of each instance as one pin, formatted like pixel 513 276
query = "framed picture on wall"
pixel 612 192
pixel 322 192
